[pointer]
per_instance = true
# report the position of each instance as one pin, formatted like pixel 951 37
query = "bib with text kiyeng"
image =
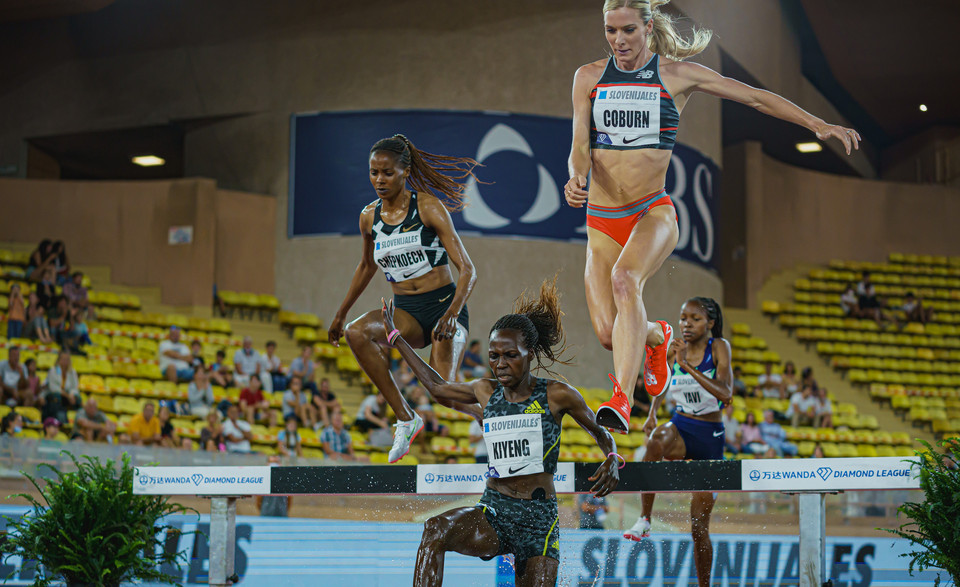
pixel 515 443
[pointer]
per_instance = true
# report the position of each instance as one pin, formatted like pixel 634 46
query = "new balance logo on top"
pixel 645 74
pixel 534 408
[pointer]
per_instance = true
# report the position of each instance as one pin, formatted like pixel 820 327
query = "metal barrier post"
pixel 813 530
pixel 223 540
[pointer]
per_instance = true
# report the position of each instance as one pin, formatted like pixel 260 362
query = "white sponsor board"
pixel 848 474
pixel 202 480
pixel 469 479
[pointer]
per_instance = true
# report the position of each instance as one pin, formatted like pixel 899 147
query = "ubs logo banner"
pixel 524 160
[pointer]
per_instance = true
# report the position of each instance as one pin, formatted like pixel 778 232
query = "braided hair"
pixel 441 174
pixel 538 320
pixel 712 309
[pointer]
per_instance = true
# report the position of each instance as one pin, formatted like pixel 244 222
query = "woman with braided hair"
pixel 521 428
pixel 626 113
pixel 701 383
pixel 408 234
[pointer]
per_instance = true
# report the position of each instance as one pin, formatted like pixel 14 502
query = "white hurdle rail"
pixel 810 479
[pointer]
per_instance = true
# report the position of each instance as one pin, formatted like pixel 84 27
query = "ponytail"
pixel 664 40
pixel 712 309
pixel 440 174
pixel 538 320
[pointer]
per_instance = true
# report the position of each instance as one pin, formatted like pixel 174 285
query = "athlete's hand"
pixel 650 425
pixel 679 350
pixel 576 191
pixel 446 328
pixel 607 477
pixel 847 136
pixel 335 331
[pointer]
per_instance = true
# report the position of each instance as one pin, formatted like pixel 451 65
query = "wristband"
pixel 623 461
pixel 393 335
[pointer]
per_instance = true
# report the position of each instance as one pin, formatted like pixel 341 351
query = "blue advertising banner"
pixel 297 552
pixel 524 170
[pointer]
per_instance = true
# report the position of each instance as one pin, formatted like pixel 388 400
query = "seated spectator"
pixel 405 378
pixel 174 357
pixel 144 428
pixel 869 302
pixel 196 355
pixel 47 289
pixel 13 379
pixel 41 258
pixel 246 362
pixel 168 435
pixel 11 425
pixel 420 402
pixel 751 441
pixel 803 408
pixel 806 378
pixel 37 327
pixel 296 402
pixel 236 432
pixel 337 443
pixel 288 439
pixel 274 366
pixel 61 322
pixel 200 398
pixel 32 394
pixel 915 310
pixel 61 390
pixel 61 263
pixel 81 331
pixel 473 366
pixel 220 372
pixel 372 414
pixel 791 381
pixel 303 367
pixel 593 511
pixel 775 437
pixel 731 430
pixel 770 384
pixel 849 302
pixel 817 452
pixel 254 405
pixel 739 387
pixel 91 424
pixel 51 428
pixel 325 402
pixel 16 312
pixel 477 444
pixel 211 436
pixel 824 410
pixel 75 293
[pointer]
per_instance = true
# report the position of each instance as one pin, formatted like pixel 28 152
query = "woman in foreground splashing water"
pixel 701 383
pixel 521 420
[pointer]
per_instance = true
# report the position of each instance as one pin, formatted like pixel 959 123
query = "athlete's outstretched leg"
pixel 664 443
pixel 463 530
pixel 701 506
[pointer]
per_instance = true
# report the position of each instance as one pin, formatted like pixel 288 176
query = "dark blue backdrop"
pixel 524 158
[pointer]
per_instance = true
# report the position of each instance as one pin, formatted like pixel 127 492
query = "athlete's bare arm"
pixel 722 386
pixel 579 163
pixel 436 216
pixel 687 77
pixel 365 271
pixel 565 400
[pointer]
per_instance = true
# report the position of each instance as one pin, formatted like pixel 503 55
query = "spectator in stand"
pixel 791 381
pixel 236 432
pixel 775 437
pixel 200 398
pixel 869 302
pixel 477 444
pixel 32 393
pixel 739 387
pixel 62 389
pixel 47 289
pixel 806 378
pixel 296 402
pixel 593 511
pixel 62 320
pixel 803 408
pixel 420 402
pixel 220 372
pixel 51 428
pixel 61 263
pixel 405 377
pixel 817 452
pixel 288 439
pixel 770 384
pixel 254 405
pixel 144 428
pixel 274 366
pixel 915 310
pixel 197 361
pixel 13 378
pixel 16 312
pixel 337 443
pixel 849 302
pixel 168 435
pixel 211 436
pixel 91 424
pixel 325 402
pixel 372 414
pixel 75 293
pixel 41 258
pixel 37 327
pixel 824 410
pixel 11 425
pixel 731 430
pixel 174 357
pixel 751 441
pixel 303 367
pixel 81 331
pixel 246 362
pixel 473 366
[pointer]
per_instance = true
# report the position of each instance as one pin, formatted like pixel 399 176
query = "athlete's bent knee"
pixel 625 282
pixel 435 531
pixel 355 333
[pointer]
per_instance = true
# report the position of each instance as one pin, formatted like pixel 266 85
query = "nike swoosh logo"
pixel 628 141
pixel 718 434
pixel 407 275
pixel 513 471
pixel 409 228
pixel 445 299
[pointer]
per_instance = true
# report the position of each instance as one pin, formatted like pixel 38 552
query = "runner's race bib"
pixel 514 444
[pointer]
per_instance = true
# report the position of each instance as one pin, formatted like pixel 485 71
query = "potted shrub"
pixel 88 528
pixel 934 526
